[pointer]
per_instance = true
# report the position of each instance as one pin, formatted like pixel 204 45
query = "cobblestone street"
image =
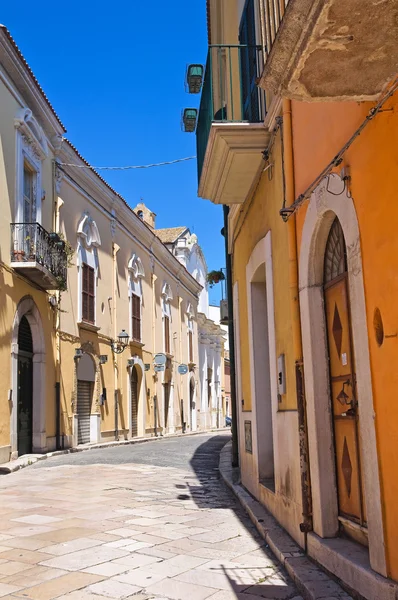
pixel 151 521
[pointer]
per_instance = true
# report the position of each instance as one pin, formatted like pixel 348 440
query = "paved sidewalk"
pixel 310 579
pixel 132 531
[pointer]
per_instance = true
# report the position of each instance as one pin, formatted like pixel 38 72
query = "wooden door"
pixel 134 402
pixel 25 388
pixel 342 379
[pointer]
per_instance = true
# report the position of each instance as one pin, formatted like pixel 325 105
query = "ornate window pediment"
pixel 190 312
pixel 167 294
pixel 31 132
pixel 87 230
pixel 135 267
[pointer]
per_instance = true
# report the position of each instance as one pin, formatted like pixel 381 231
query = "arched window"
pixel 190 317
pixel 335 253
pixel 137 273
pixel 167 296
pixel 87 264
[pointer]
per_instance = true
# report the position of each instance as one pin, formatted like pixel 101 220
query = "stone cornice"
pixel 27 85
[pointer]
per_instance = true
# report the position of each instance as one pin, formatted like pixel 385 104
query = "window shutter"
pixel 88 294
pixel 190 340
pixel 167 335
pixel 136 317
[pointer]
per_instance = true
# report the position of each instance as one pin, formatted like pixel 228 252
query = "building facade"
pixel 98 318
pixel 295 140
pixel 211 336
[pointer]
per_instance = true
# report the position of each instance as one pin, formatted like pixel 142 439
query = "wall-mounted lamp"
pixel 121 343
pixel 103 359
pixel 78 353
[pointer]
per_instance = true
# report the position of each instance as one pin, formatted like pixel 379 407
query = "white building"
pixel 211 335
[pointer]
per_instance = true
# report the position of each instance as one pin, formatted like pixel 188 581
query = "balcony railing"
pixel 230 93
pixel 39 255
pixel 274 11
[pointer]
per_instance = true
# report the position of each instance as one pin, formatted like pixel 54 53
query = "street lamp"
pixel 121 343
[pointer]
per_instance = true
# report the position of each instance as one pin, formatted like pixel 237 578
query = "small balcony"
pixel 328 49
pixel 230 134
pixel 38 255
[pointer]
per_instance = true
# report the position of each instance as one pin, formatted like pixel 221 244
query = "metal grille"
pixel 335 253
pixel 84 398
pixel 30 242
pixel 25 342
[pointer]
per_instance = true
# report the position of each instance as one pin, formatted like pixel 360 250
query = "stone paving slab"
pixel 132 532
pixel 313 583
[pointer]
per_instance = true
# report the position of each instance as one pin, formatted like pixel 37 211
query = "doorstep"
pixel 310 579
pixel 29 459
pixel 349 561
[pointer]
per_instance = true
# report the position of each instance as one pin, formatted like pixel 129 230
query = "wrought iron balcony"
pixel 328 49
pixel 39 255
pixel 230 124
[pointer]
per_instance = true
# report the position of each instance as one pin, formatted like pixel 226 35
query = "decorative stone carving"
pixel 31 133
pixel 87 229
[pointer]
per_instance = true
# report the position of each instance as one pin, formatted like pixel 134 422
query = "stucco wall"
pixel 319 131
pixel 260 216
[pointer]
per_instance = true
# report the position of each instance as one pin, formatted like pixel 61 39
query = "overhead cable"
pixel 128 167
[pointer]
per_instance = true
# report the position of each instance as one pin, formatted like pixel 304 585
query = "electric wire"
pixel 128 167
pixel 287 211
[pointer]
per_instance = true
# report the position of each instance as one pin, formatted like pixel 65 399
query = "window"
pixel 29 212
pixel 190 346
pixel 167 297
pixel 88 294
pixel 166 334
pixel 136 275
pixel 136 317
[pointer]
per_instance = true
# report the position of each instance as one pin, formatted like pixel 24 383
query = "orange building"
pixel 309 173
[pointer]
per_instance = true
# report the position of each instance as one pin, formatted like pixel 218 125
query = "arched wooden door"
pixel 134 402
pixel 342 378
pixel 25 388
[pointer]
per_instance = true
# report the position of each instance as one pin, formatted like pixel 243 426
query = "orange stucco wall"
pixel 319 131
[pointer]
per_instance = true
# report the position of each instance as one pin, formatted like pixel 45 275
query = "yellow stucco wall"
pixel 260 215
pixel 113 314
pixel 14 287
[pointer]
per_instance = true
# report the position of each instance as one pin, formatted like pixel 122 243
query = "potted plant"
pixel 18 255
pixel 214 277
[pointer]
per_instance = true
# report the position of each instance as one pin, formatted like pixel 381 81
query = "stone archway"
pixel 328 202
pixel 28 309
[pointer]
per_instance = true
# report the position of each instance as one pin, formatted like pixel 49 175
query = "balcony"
pixel 329 49
pixel 38 255
pixel 230 134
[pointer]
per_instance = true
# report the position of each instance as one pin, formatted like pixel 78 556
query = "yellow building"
pixel 32 262
pixel 99 337
pixel 295 135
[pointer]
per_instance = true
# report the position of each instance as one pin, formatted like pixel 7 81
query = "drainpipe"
pixel 115 250
pixel 231 336
pixel 58 202
pixel 288 173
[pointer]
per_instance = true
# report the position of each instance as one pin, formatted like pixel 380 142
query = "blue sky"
pixel 114 71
